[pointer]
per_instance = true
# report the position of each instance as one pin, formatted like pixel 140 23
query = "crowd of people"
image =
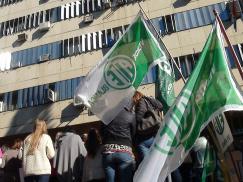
pixel 109 153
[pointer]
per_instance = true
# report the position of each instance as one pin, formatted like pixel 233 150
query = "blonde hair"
pixel 39 129
pixel 136 97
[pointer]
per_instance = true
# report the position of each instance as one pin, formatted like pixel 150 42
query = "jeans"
pixel 118 166
pixel 37 178
pixel 143 148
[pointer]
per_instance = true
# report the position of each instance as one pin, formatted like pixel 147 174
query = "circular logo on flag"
pixel 120 72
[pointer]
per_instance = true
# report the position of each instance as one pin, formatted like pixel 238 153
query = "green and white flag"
pixel 110 85
pixel 209 91
pixel 165 84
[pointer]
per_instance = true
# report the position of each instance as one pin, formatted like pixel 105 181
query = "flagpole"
pixel 163 44
pixel 236 60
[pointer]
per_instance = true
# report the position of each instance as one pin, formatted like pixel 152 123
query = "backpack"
pixel 150 122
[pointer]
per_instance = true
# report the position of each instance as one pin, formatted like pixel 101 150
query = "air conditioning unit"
pixel 234 8
pixel 45 26
pixel 1 106
pixel 22 37
pixel 51 95
pixel 44 57
pixel 88 18
pixel 107 3
pixel 77 101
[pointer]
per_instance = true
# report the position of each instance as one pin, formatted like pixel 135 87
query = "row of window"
pixel 106 38
pixel 38 95
pixel 190 19
pixel 59 49
pixel 82 7
pixel 200 16
pixel 8 2
pixel 186 63
pixel 30 56
pixel 47 93
pixel 62 90
pixel 36 54
pixel 29 21
pixel 69 10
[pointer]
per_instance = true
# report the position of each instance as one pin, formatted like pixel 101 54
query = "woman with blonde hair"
pixel 37 150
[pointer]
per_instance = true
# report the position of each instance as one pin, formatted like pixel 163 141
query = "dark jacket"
pixel 11 165
pixel 120 130
pixel 141 107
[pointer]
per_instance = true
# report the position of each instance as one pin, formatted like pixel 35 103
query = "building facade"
pixel 48 46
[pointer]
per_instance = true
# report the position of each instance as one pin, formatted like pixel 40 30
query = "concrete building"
pixel 47 46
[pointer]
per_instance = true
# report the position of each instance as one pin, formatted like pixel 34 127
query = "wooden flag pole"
pixel 236 60
pixel 163 44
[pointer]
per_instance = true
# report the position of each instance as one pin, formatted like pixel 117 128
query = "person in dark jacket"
pixel 11 163
pixel 144 142
pixel 118 158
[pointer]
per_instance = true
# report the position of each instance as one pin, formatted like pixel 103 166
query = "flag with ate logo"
pixel 209 91
pixel 109 86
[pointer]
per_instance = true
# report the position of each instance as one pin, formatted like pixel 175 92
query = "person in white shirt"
pixel 37 150
pixel 198 154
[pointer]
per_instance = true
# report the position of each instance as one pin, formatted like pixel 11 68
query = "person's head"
pixel 93 142
pixel 84 137
pixel 17 144
pixel 136 97
pixel 39 129
pixel 69 129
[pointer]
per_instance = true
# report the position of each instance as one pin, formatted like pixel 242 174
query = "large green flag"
pixel 110 85
pixel 209 91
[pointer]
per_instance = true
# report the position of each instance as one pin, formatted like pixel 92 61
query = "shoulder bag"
pixel 150 122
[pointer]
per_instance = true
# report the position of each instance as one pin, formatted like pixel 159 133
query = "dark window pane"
pixel 65 47
pixel 57 90
pixel 71 46
pixel 30 96
pixel 69 89
pixel 41 94
pixel 35 96
pixel 25 98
